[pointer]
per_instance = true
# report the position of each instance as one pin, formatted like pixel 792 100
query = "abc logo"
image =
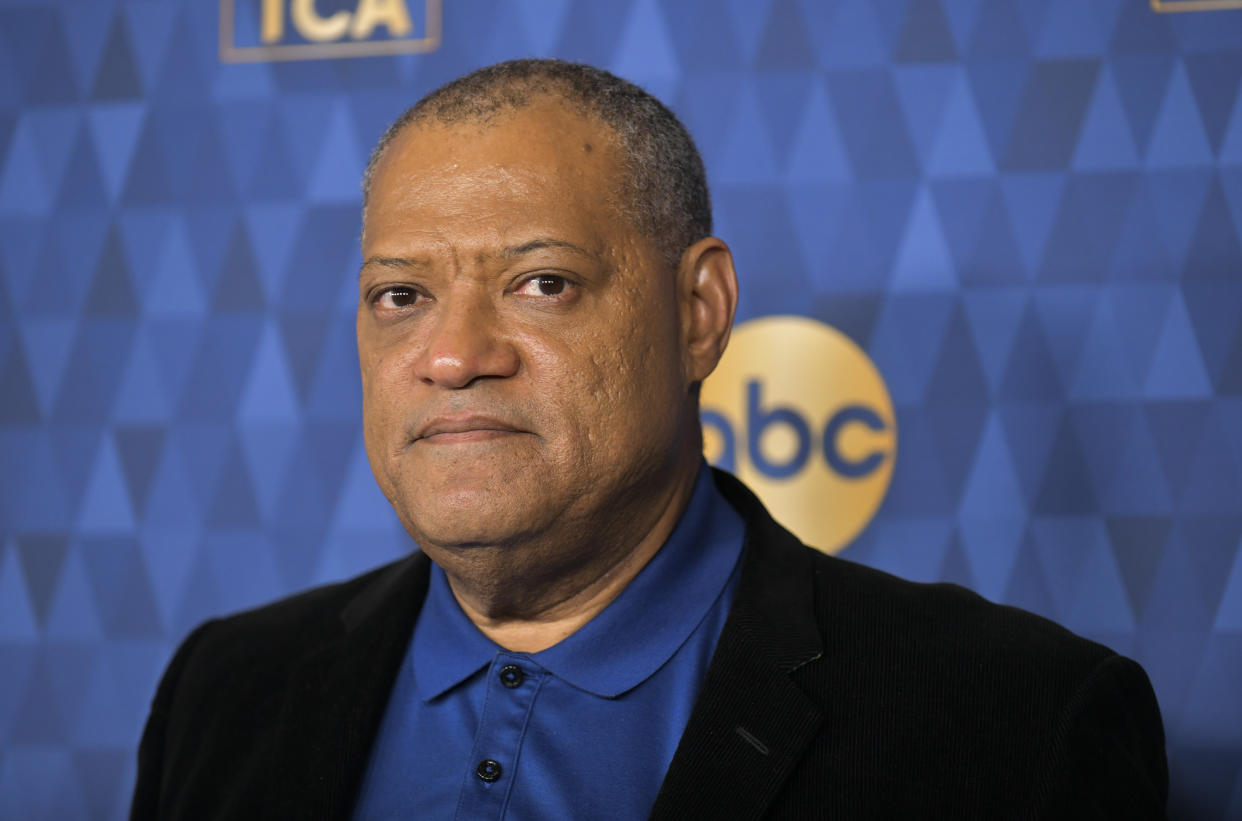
pixel 799 413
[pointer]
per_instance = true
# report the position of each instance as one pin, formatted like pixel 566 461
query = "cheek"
pixel 370 367
pixel 387 364
pixel 614 384
pixel 383 413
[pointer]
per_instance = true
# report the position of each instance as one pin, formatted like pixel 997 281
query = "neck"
pixel 526 604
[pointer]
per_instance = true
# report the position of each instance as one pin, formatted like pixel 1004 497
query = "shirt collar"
pixel 625 643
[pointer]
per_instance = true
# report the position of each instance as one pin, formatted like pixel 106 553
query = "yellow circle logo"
pixel 800 413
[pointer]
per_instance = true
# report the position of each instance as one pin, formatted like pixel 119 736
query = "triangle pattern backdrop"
pixel 1027 212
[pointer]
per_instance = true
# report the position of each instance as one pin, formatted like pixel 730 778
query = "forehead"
pixel 542 162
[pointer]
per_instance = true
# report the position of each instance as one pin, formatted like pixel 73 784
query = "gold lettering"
pixel 392 14
pixel 315 28
pixel 273 25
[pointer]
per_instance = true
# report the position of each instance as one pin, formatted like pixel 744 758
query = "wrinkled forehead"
pixel 545 144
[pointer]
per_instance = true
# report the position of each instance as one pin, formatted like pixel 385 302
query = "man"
pixel 597 626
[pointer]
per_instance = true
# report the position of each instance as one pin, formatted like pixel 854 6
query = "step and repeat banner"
pixel 990 332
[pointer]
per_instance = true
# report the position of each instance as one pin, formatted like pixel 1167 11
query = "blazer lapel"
pixel 751 723
pixel 338 694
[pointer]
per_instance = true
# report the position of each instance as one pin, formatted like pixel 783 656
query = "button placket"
pixel 513 683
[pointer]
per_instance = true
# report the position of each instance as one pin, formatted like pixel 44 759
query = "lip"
pixel 463 428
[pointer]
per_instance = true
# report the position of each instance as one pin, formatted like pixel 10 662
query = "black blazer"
pixel 835 691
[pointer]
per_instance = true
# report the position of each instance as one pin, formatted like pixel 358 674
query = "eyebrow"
pixel 401 263
pixel 543 243
pixel 510 252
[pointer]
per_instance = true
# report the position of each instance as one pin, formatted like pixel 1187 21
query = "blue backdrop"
pixel 1027 212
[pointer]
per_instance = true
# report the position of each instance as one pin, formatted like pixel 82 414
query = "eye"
pixel 396 298
pixel 543 285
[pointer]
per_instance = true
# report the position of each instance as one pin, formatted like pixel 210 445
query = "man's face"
pixel 522 365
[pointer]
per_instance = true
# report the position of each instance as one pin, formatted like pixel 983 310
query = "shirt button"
pixel 488 770
pixel 511 676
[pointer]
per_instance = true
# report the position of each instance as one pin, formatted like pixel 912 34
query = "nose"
pixel 464 344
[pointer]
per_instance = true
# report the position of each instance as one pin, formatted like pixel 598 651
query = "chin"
pixel 463 536
pixel 471 517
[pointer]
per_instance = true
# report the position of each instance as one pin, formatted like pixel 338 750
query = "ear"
pixel 707 297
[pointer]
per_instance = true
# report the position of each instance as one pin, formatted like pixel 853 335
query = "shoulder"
pixel 274 635
pixel 941 622
pixel 324 601
pixel 239 687
pixel 947 628
pixel 957 686
pixel 930 691
pixel 949 649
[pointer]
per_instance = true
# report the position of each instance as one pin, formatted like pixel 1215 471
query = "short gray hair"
pixel 666 195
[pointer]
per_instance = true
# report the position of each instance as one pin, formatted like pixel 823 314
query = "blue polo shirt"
pixel 583 729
